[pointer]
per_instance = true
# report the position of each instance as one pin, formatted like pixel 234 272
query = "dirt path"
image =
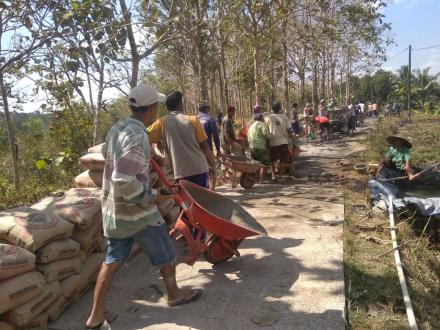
pixel 291 278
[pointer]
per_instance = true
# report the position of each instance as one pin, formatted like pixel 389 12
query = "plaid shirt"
pixel 127 205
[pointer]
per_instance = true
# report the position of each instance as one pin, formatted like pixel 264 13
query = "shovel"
pixel 406 177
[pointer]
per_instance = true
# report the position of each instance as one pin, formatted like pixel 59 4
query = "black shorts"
pixel 280 153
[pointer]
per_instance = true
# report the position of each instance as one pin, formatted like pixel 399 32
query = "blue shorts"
pixel 199 179
pixel 153 240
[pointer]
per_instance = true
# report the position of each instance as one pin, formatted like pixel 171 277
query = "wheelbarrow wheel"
pixel 247 180
pixel 217 253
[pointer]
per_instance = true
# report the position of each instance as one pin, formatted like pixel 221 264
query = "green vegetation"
pixel 374 296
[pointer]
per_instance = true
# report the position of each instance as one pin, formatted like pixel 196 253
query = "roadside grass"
pixel 374 297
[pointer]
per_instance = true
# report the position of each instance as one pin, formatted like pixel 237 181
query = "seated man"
pixel 258 136
pixel 397 160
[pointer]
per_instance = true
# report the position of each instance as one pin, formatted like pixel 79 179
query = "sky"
pixel 415 23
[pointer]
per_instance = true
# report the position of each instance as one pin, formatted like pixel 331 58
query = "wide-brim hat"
pixel 394 139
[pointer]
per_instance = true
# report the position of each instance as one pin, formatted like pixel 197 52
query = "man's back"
pixel 278 124
pixel 210 128
pixel 182 135
pixel 127 155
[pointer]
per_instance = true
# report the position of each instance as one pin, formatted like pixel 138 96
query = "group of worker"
pixel 129 212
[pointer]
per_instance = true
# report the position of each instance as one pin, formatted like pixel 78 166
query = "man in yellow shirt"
pixel 185 141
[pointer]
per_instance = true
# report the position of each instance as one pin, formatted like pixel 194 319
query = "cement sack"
pixel 14 260
pixel 102 244
pixel 17 290
pixel 58 250
pixel 89 272
pixel 95 149
pixel 154 179
pixel 26 312
pixel 77 210
pixel 165 206
pixel 71 285
pixel 88 237
pixel 93 161
pixel 84 254
pixel 58 306
pixel 172 216
pixel 37 323
pixel 31 229
pixel 60 269
pixel 85 192
pixel 89 179
pixel 6 326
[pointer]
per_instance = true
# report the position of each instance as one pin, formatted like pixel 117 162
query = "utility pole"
pixel 409 83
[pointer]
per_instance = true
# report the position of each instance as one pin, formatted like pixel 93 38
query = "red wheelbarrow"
pixel 211 224
pixel 249 170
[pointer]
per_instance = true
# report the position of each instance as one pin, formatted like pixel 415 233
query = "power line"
pixel 430 47
pixel 399 53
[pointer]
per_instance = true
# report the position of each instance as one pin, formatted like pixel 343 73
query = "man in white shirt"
pixel 279 132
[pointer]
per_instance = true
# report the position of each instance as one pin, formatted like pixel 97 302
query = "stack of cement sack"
pixel 46 260
pixel 93 164
pixel 167 207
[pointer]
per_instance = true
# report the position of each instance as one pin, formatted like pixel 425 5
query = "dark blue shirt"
pixel 211 130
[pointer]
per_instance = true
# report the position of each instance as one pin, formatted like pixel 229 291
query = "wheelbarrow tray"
pixel 218 214
pixel 244 165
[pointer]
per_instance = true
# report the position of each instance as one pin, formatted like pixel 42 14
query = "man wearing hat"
pixel 258 138
pixel 397 160
pixel 129 213
pixel 185 141
pixel 211 131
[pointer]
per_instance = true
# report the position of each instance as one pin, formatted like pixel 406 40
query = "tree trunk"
pixel 315 84
pixel 347 85
pixel 257 68
pixel 96 121
pixel 135 58
pixel 201 53
pixel 11 133
pixel 285 77
pixel 223 68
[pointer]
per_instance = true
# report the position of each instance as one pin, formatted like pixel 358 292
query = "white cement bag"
pixel 60 269
pixel 71 285
pixel 26 312
pixel 165 206
pixel 88 237
pixel 93 161
pixel 96 149
pixel 37 323
pixel 84 254
pixel 89 272
pixel 55 310
pixel 85 192
pixel 172 216
pixel 77 210
pixel 58 250
pixel 17 290
pixel 31 229
pixel 14 260
pixel 6 326
pixel 89 179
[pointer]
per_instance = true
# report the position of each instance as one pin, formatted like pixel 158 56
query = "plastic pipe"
pixel 406 298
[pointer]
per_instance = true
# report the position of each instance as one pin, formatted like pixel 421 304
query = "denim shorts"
pixel 153 240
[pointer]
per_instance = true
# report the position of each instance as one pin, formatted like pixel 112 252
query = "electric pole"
pixel 409 83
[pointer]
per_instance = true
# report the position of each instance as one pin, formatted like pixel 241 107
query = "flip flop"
pixel 110 316
pixel 197 294
pixel 103 326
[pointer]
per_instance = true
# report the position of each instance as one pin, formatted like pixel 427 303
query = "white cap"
pixel 144 95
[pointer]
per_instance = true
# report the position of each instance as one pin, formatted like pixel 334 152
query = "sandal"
pixel 103 326
pixel 195 296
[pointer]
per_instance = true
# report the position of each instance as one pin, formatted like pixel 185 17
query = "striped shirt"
pixel 128 201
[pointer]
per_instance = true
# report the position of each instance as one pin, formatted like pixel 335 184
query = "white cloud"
pixel 405 3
